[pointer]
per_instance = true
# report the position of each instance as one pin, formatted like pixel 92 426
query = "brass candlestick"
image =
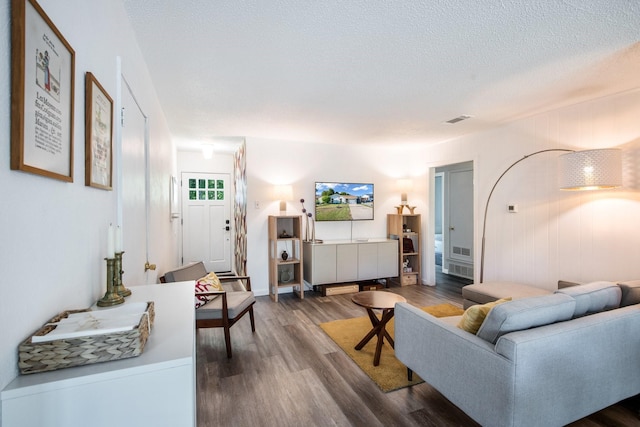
pixel 110 297
pixel 118 286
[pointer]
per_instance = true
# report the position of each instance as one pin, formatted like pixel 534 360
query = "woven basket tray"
pixel 65 353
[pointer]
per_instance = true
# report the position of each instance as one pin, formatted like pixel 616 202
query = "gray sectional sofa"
pixel 545 360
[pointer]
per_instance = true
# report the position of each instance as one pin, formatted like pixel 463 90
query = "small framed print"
pixel 42 93
pixel 98 135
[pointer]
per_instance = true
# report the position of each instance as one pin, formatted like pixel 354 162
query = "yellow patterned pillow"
pixel 474 316
pixel 208 283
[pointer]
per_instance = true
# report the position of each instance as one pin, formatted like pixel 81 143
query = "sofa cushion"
pixel 490 291
pixel 593 297
pixel 236 303
pixel 473 316
pixel 630 292
pixel 526 313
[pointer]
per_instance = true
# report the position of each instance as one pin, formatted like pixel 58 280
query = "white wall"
pixel 271 162
pixel 581 236
pixel 54 233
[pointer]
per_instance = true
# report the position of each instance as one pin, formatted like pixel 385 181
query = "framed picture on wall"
pixel 98 138
pixel 42 90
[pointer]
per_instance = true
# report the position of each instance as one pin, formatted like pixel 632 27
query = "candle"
pixel 118 245
pixel 110 250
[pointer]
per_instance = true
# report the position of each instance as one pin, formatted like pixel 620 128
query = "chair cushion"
pixel 188 272
pixel 473 316
pixel 236 303
pixel 208 283
pixel 593 297
pixel 526 313
pixel 630 292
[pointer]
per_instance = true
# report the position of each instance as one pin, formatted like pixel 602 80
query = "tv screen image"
pixel 344 201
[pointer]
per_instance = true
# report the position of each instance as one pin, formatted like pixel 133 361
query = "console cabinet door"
pixel 347 263
pixel 324 264
pixel 368 261
pixel 387 259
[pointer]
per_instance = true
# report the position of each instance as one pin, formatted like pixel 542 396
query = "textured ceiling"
pixel 371 71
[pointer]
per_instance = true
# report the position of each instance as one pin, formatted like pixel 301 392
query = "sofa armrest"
pixel 464 368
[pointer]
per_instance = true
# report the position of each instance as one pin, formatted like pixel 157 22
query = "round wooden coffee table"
pixel 377 300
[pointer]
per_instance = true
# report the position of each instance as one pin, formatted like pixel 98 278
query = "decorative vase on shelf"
pixel 285 276
pixel 284 255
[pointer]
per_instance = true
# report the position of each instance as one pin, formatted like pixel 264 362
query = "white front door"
pixel 206 216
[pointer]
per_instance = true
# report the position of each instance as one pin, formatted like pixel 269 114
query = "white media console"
pixel 340 261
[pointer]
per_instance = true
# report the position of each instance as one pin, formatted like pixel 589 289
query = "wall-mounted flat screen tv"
pixel 343 201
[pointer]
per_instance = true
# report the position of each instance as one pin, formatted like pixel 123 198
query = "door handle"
pixel 452 228
pixel 148 266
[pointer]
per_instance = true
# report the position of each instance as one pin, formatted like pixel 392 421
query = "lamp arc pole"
pixel 486 207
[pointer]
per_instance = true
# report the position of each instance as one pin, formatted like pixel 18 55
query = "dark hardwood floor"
pixel 289 373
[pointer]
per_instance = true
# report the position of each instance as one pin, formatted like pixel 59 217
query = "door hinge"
pixel 122 117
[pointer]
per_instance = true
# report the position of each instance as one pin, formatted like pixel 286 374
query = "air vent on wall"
pixel 460 270
pixel 461 251
pixel 458 119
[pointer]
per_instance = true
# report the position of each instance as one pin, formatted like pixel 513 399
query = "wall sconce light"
pixel 578 171
pixel 283 193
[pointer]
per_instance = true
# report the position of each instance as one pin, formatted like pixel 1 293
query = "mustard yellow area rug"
pixel 391 374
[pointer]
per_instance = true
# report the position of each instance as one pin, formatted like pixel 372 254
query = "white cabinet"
pixel 156 388
pixel 346 261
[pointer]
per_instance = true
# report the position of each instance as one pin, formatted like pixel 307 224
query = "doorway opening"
pixel 453 225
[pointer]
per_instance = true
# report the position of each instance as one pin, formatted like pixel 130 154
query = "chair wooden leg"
pixel 227 340
pixel 409 374
pixel 253 322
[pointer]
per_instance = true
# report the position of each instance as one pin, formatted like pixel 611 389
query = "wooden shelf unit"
pixel 285 234
pixel 407 229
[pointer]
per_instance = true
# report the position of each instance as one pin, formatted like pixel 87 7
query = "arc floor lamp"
pixel 578 171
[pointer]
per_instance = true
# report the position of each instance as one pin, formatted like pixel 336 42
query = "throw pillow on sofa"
pixel 526 313
pixel 208 283
pixel 473 316
pixel 630 292
pixel 593 297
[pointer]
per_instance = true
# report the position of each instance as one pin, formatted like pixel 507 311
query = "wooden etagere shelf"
pixel 285 234
pixel 407 229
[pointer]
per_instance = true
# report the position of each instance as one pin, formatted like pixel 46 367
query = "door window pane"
pixel 192 183
pixel 202 195
pixel 192 194
pixel 220 185
pixel 220 195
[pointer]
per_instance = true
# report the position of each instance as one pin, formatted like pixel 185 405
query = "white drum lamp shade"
pixel 591 169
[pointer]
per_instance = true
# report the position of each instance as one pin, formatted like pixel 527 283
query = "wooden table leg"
pixel 379 330
pixel 376 326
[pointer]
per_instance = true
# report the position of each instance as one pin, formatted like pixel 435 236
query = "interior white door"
pixel 461 215
pixel 206 220
pixel 134 186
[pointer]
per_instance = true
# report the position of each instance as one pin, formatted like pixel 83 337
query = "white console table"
pixel 339 261
pixel 156 388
